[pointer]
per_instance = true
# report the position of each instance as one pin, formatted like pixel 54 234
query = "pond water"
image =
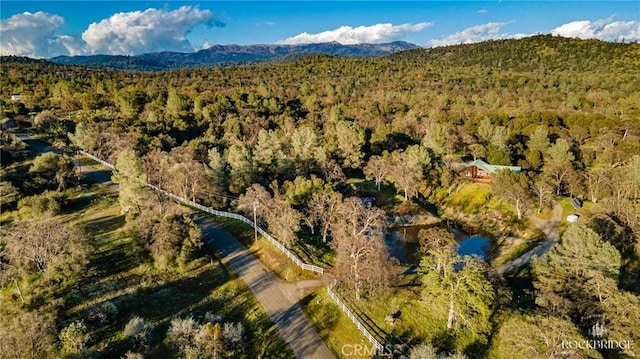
pixel 402 244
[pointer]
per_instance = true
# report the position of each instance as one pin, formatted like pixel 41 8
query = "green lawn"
pixel 333 326
pixel 470 198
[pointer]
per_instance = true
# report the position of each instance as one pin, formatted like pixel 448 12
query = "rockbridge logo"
pixel 600 341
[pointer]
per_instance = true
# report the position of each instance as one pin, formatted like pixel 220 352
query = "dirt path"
pixel 552 236
pixel 279 299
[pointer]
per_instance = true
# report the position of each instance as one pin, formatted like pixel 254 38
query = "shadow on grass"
pixel 324 317
pixel 159 302
pixel 84 200
pixel 104 225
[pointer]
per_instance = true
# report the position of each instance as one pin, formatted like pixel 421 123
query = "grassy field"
pixel 269 255
pixel 123 281
pixel 333 326
pixel 398 318
pixel 471 198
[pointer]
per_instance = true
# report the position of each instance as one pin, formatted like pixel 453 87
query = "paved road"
pixel 552 236
pixel 279 299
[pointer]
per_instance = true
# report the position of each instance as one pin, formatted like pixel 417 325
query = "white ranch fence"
pixel 379 347
pixel 215 212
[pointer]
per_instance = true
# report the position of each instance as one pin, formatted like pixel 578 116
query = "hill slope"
pixel 536 53
pixel 229 54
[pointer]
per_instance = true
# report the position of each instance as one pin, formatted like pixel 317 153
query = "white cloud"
pixel 483 11
pixel 478 33
pixel 348 35
pixel 136 32
pixel 606 29
pixel 31 34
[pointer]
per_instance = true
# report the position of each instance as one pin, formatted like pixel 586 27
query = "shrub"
pixel 138 332
pixel 74 337
pixel 45 204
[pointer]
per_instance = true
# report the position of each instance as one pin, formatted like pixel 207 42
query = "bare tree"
pixel 187 175
pixel 407 170
pixel 377 168
pixel 323 209
pixel 282 220
pixel 156 165
pixel 513 188
pixel 48 246
pixel 361 254
pixel 28 335
pixel 256 202
pixel 542 187
pixel 436 238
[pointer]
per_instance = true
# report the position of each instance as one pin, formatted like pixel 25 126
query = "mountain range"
pixel 229 54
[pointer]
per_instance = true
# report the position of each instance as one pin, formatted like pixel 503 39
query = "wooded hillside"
pixel 296 143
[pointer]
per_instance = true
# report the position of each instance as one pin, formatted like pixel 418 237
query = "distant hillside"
pixel 533 54
pixel 229 54
pixel 536 53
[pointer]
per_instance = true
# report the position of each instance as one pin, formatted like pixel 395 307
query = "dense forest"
pixel 301 142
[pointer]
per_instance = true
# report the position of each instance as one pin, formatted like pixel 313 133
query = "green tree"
pixel 537 145
pixel 539 139
pixel 131 179
pixel 459 288
pixel 268 149
pixel 242 168
pixel 633 176
pixel 500 137
pixel 176 105
pixel 485 131
pixel 84 138
pixel 216 171
pixel 299 191
pixel 74 337
pixel 51 169
pixel 350 139
pixel 581 263
pixel 560 152
pixel 537 336
pixel 45 204
pixel 173 241
pixel 435 138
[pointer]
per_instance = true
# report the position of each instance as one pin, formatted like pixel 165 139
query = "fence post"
pixel 349 314
pixel 214 212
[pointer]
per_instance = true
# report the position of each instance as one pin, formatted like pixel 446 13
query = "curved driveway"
pixel 552 236
pixel 279 300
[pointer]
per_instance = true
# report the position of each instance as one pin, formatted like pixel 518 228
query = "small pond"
pixel 402 244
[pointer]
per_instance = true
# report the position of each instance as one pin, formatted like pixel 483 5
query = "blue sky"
pixel 51 28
